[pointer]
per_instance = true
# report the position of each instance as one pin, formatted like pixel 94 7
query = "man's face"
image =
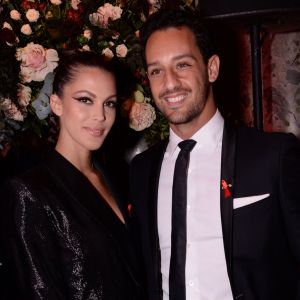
pixel 179 78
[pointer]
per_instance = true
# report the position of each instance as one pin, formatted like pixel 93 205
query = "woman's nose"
pixel 99 113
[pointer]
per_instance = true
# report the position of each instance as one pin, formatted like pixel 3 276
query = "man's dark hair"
pixel 168 18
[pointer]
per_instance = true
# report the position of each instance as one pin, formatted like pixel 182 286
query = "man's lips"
pixel 175 99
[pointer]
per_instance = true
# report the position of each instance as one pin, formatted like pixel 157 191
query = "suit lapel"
pixel 155 168
pixel 156 156
pixel 227 174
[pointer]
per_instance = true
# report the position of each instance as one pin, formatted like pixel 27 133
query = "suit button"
pixel 191 283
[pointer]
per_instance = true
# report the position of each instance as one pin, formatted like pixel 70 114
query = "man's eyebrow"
pixel 178 57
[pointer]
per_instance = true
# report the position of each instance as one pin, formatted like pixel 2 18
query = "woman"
pixel 64 232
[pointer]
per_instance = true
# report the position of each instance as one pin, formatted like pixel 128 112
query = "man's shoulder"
pixel 251 134
pixel 151 153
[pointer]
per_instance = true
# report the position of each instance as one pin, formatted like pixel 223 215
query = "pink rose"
pixel 115 13
pixel 34 56
pixel 32 15
pixel 104 13
pixel 88 33
pixel 86 48
pixel 36 62
pixel 107 53
pixel 98 19
pixel 121 50
pixel 75 3
pixel 55 2
pixel 26 29
pixel 15 15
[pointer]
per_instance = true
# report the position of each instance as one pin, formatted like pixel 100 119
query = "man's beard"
pixel 193 111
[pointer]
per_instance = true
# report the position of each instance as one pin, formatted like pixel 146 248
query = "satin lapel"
pixel 78 188
pixel 154 174
pixel 227 174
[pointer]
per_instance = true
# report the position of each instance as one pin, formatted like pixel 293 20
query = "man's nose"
pixel 171 79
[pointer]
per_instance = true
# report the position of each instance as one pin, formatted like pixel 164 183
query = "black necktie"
pixel 178 235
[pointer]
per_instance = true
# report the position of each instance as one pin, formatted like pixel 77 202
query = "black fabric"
pixel 178 235
pixel 61 240
pixel 261 240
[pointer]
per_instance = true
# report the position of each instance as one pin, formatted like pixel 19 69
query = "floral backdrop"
pixel 33 36
pixel 35 33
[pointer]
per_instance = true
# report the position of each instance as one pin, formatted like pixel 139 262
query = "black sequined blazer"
pixel 60 240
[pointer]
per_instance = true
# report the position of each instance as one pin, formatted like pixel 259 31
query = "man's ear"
pixel 213 66
pixel 56 105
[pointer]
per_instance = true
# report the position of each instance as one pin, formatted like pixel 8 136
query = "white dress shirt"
pixel 206 272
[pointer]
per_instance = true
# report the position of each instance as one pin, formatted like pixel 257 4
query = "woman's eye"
pixel 111 104
pixel 85 100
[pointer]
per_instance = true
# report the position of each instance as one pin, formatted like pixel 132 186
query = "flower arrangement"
pixel 35 33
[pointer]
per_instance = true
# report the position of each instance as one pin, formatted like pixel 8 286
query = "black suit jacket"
pixel 60 239
pixel 261 240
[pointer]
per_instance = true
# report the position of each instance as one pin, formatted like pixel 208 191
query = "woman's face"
pixel 87 109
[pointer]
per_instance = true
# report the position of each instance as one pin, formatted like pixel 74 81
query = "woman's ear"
pixel 213 66
pixel 56 105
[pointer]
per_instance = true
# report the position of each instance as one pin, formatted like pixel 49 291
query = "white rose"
pixel 26 29
pixel 24 94
pixel 141 116
pixel 107 53
pixel 86 48
pixel 11 111
pixel 115 36
pixel 55 2
pixel 15 15
pixel 32 15
pixel 88 33
pixel 121 50
pixel 74 4
pixel 96 19
pixel 7 25
pixel 115 13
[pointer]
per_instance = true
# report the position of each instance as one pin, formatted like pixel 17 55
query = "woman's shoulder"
pixel 28 190
pixel 34 177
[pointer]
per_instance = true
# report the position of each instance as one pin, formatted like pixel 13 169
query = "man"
pixel 243 201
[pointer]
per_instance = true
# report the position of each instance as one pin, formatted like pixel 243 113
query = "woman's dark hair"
pixel 68 66
pixel 168 18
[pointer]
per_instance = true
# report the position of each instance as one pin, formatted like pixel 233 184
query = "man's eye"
pixel 154 72
pixel 110 104
pixel 183 65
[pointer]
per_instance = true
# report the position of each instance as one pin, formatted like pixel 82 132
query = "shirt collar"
pixel 209 135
